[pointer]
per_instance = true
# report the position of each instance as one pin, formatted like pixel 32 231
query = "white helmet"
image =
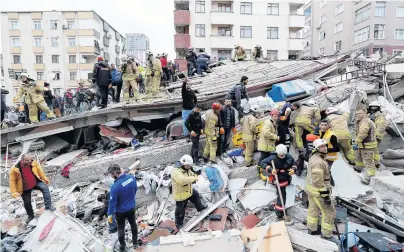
pixel 124 57
pixel 374 104
pixel 24 75
pixel 186 160
pixel 331 110
pixel 319 142
pixel 255 108
pixel 149 53
pixel 311 102
pixel 281 149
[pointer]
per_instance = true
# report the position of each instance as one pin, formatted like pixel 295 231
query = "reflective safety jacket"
pixel 366 134
pixel 129 72
pixel 249 128
pixel 211 124
pixel 30 92
pixel 318 176
pixel 326 136
pixel 239 53
pixel 380 122
pixel 268 136
pixel 153 66
pixel 339 125
pixel 308 116
pixel 182 180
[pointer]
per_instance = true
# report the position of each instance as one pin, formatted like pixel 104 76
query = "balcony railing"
pixel 182 41
pixel 182 17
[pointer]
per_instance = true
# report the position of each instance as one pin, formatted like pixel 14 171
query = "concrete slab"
pixel 66 159
pixel 391 190
pixel 250 221
pixel 255 199
pixel 395 71
pixel 234 185
pixel 305 242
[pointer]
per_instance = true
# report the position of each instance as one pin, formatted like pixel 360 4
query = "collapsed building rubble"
pixel 76 166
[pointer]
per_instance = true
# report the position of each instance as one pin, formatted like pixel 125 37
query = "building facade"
pixel 137 44
pixel 217 26
pixel 56 46
pixel 348 26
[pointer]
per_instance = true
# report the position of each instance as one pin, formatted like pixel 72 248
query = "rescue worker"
pixel 103 78
pixel 284 168
pixel 238 92
pixel 268 135
pixel 194 124
pixel 379 119
pixel 239 53
pixel 332 145
pixel 140 78
pixel 117 81
pixel 318 188
pixel 339 126
pixel 365 146
pixel 129 75
pixel 32 96
pixel 202 61
pixel 153 74
pixel 283 124
pixel 306 154
pixel 182 179
pixel 212 131
pixel 257 53
pixel 228 118
pixel 307 118
pixel 191 61
pixel 189 101
pixel 249 124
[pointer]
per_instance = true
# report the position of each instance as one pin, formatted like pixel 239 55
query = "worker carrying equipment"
pixel 379 119
pixel 32 95
pixel 318 188
pixel 284 168
pixel 307 118
pixel 249 123
pixel 212 128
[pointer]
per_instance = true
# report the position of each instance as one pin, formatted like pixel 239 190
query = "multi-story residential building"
pixel 137 44
pixel 348 26
pixel 59 47
pixel 217 26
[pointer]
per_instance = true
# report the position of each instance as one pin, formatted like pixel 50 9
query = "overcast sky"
pixel 152 17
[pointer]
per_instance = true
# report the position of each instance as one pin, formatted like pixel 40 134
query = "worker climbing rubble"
pixel 32 95
pixel 238 92
pixel 182 179
pixel 268 135
pixel 283 124
pixel 239 53
pixel 153 74
pixel 307 118
pixel 249 123
pixel 338 123
pixel 379 119
pixel 129 75
pixel 332 145
pixel 365 146
pixel 194 125
pixel 191 58
pixel 318 188
pixel 257 53
pixel 212 131
pixel 284 169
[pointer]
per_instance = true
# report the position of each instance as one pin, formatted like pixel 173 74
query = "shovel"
pixel 279 192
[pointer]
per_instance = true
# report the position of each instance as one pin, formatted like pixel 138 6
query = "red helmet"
pixel 100 58
pixel 274 112
pixel 216 105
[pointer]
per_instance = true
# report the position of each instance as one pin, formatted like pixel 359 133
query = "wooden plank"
pixel 306 242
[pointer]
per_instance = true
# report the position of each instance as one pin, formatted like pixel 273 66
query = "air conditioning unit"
pixel 109 36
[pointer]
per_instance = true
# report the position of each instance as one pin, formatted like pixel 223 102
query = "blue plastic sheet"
pixel 215 179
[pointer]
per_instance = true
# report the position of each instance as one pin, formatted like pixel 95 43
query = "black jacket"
pixel 194 122
pixel 223 116
pixel 237 93
pixel 188 97
pixel 3 99
pixel 101 74
pixel 47 95
pixel 191 56
pixel 333 141
pixel 281 165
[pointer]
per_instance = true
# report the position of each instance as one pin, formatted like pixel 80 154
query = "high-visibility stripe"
pixel 370 145
pixel 325 225
pixel 314 190
pixel 377 156
pixel 358 163
pixel 312 220
pixel 332 156
pixel 283 184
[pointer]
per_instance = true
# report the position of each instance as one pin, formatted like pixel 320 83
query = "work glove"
pixel 282 118
pixel 193 133
pixel 110 85
pixel 110 219
pixel 234 130
pixel 273 172
pixel 355 147
pixel 15 195
pixel 201 132
pixel 291 172
pixel 221 131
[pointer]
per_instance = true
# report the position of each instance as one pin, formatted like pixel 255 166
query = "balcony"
pixel 39 66
pixel 36 49
pixel 220 17
pixel 117 49
pixel 37 33
pixel 217 41
pixel 296 44
pixel 13 15
pixel 86 66
pixel 89 50
pixel 71 49
pixel 182 41
pixel 182 17
pixel 70 33
pixel 296 21
pixel 16 66
pixel 14 33
pixel 15 50
pixel 89 32
pixel 72 66
pixel 36 15
pixel 105 39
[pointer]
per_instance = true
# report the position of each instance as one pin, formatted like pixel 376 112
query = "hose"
pixel 343 237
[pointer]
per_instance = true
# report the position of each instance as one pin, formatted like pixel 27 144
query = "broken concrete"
pixel 253 200
pixel 391 189
pixel 234 186
pixel 65 159
pixel 305 242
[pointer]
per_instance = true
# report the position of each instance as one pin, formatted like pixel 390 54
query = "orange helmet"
pixel 216 105
pixel 311 137
pixel 274 112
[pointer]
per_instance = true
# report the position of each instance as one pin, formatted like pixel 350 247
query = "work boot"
pixel 51 208
pixel 317 232
pixel 358 170
pixel 30 218
pixel 365 180
pixel 331 239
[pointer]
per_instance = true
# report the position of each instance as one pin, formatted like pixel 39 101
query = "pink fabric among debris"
pixel 122 135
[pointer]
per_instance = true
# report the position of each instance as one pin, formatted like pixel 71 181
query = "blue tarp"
pixel 215 179
pixel 282 91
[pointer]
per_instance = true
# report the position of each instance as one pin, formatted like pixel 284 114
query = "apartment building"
pixel 59 47
pixel 217 26
pixel 137 44
pixel 348 26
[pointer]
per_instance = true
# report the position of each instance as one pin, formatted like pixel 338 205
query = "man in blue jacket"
pixel 116 82
pixel 122 203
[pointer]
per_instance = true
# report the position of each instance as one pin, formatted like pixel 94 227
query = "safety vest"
pixel 331 156
pixel 268 136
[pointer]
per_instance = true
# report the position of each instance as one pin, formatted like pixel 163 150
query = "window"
pixel 321 51
pixel 323 3
pixel 339 27
pixel 378 49
pixel 14 25
pixel 246 8
pixel 224 54
pixel 323 19
pixel 53 24
pixel 39 75
pixel 248 53
pixel 224 31
pixel 321 35
pixel 15 42
pixel 200 6
pixel 362 14
pixel 54 42
pixel 272 54
pixel 365 52
pixel 245 31
pixel 379 31
pixel 307 27
pixel 71 25
pixel 338 46
pixel 273 9
pixel 307 12
pixel 399 34
pixel 73 75
pixel 361 35
pixel 38 59
pixel 339 9
pixel 55 59
pixel 400 11
pixel 16 59
pixel 224 7
pixel 380 9
pixel 72 42
pixel 57 90
pixel 38 42
pixel 200 30
pixel 272 33
pixel 72 59
pixel 37 25
pixel 56 77
pixel 396 51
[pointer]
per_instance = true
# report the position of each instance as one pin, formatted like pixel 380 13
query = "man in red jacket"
pixel 164 66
